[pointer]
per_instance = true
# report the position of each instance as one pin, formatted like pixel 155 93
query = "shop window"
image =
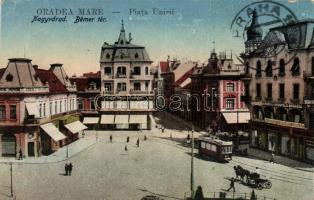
pixel 13 112
pixel 2 112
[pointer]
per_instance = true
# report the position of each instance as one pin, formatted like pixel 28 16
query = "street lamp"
pixel 192 163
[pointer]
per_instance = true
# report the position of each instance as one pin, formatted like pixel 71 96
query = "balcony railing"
pixel 309 100
pixel 141 92
pixel 43 89
pixel 121 76
pixel 284 123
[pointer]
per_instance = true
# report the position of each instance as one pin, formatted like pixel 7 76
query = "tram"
pixel 215 148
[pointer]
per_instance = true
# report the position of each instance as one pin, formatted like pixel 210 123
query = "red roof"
pixel 92 75
pixel 55 85
pixel 184 77
pixel 164 66
pixel 81 83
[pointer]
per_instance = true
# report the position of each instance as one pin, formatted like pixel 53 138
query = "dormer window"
pixel 107 55
pixel 9 78
pixel 136 55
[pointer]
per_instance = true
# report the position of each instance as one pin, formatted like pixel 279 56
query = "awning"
pixel 107 119
pixel 234 117
pixel 138 119
pixel 121 119
pixel 91 120
pixel 53 131
pixel 75 127
pixel 32 108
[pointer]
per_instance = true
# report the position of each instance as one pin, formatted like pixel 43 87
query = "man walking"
pixel 231 185
pixel 138 142
pixel 70 166
pixel 110 138
pixel 20 155
pixel 126 148
pixel 128 139
pixel 66 168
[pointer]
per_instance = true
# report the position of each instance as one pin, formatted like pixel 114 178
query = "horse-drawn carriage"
pixel 252 178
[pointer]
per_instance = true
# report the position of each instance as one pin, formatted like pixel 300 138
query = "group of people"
pixel 68 169
pixel 128 140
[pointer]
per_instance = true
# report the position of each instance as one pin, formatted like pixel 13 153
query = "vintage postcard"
pixel 156 99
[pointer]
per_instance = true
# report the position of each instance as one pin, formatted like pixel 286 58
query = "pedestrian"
pixel 188 138
pixel 126 148
pixel 272 157
pixel 70 166
pixel 170 136
pixel 128 139
pixel 145 138
pixel 231 184
pixel 138 142
pixel 66 169
pixel 110 138
pixel 20 155
pixel 199 193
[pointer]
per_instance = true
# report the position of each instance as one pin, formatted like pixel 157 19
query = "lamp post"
pixel 192 164
pixel 11 171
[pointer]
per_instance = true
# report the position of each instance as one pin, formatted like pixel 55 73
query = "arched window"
pixel 107 55
pixel 269 68
pixel 136 55
pixel 295 69
pixel 9 78
pixel 258 69
pixel 282 67
pixel 146 70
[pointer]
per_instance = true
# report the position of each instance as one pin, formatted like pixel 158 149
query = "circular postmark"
pixel 267 28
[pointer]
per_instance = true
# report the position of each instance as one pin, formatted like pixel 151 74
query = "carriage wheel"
pixel 259 186
pixel 268 184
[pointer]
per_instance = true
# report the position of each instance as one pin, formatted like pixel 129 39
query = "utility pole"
pixel 11 179
pixel 192 164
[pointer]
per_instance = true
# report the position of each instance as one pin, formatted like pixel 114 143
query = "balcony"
pixel 121 76
pixel 30 90
pixel 308 75
pixel 280 123
pixel 108 76
pixel 141 92
pixel 309 100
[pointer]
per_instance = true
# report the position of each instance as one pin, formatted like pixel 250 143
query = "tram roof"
pixel 215 140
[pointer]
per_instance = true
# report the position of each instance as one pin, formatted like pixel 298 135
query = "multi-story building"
pixel 216 91
pixel 34 107
pixel 281 88
pixel 88 89
pixel 126 85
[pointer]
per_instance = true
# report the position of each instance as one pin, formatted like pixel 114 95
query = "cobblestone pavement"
pixel 160 166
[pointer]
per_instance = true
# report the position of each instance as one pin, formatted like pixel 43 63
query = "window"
pixel 295 69
pixel 136 55
pixel 121 71
pixel 137 70
pixel 269 90
pixel 56 107
pixel 9 78
pixel 44 110
pixel 2 112
pixel 230 103
pixel 80 104
pixel 50 108
pixel 258 90
pixel 281 91
pixel 107 55
pixel 146 70
pixel 269 68
pixel 296 91
pixel 40 110
pixel 137 86
pixel 146 86
pixel 281 67
pixel 60 103
pixel 247 68
pixel 230 87
pixel 121 87
pixel 107 71
pixel 13 112
pixel 108 87
pixel 92 104
pixel 258 69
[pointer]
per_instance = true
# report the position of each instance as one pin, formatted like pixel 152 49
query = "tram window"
pixel 203 145
pixel 208 146
pixel 214 148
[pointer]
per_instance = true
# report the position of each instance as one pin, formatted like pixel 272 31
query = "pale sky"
pixel 189 33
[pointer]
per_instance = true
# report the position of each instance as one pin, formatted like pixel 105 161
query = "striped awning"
pixel 75 127
pixel 121 119
pixel 91 120
pixel 53 131
pixel 107 119
pixel 138 119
